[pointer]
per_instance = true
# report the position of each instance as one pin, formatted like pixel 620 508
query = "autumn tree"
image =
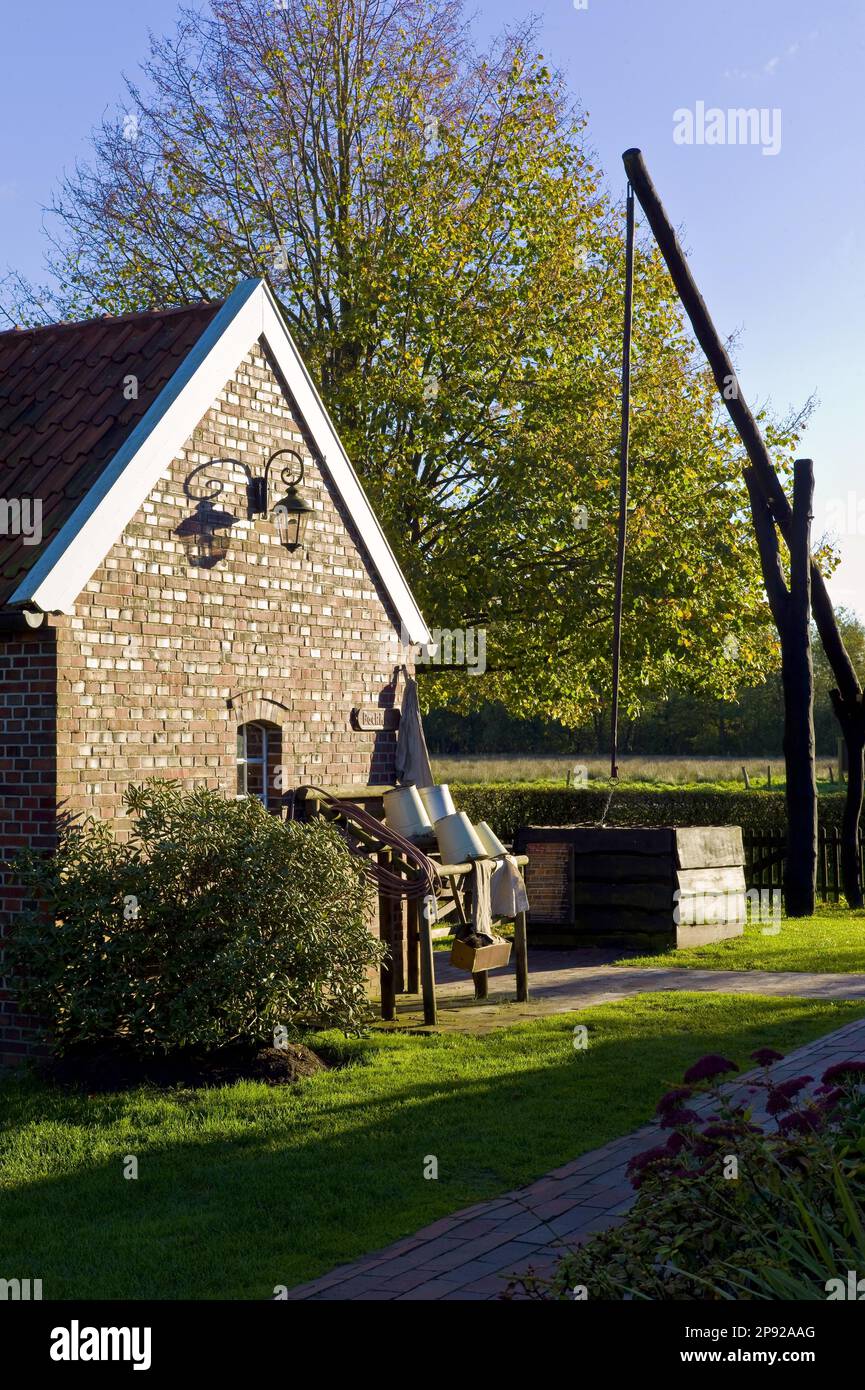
pixel 440 238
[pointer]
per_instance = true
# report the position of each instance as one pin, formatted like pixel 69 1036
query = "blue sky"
pixel 775 241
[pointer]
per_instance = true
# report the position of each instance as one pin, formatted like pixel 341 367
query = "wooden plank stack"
pixel 641 887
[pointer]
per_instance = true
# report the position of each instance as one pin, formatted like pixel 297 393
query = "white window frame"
pixel 269 732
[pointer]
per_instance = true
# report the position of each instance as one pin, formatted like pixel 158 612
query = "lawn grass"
pixel 244 1188
pixel 636 772
pixel 833 940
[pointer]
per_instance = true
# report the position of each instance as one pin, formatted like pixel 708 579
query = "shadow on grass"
pixel 244 1188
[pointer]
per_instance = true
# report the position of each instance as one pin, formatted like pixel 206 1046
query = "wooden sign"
pixel 375 718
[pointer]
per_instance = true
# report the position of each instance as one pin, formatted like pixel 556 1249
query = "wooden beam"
pixel 521 951
pixel 427 966
pixel 386 971
pixel 847 700
pixel 412 983
pixel 740 413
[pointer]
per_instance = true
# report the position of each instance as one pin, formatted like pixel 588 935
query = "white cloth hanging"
pixel 483 872
pixel 508 891
pixel 412 758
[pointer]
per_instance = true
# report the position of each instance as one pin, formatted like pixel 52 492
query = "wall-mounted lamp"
pixel 292 513
pixel 205 547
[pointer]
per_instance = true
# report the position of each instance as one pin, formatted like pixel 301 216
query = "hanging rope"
pixel 623 495
pixel 623 481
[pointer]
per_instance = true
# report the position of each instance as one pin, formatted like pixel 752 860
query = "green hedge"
pixel 213 923
pixel 507 806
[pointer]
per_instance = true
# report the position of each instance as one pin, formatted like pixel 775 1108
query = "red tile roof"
pixel 63 414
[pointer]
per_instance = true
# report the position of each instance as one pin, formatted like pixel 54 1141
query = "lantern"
pixel 291 518
pixel 205 547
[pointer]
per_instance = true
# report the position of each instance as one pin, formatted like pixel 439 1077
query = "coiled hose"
pixel 389 883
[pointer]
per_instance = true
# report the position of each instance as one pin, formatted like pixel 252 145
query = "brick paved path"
pixel 472 1254
pixel 561 981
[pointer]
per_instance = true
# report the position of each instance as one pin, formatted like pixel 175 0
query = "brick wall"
pixel 161 662
pixel 27 773
pixel 548 880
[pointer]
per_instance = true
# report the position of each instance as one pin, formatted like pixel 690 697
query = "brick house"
pixel 146 631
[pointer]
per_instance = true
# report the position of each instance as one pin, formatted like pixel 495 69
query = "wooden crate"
pixel 642 887
pixel 475 958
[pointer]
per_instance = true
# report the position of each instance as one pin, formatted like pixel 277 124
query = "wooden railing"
pixel 405 873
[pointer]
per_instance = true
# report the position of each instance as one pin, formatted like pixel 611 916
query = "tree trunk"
pixel 853 731
pixel 797 673
pixel 847 699
pixel 791 612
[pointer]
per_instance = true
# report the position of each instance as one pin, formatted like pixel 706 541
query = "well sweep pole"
pixel 623 480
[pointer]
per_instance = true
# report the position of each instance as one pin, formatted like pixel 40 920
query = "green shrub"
pixel 789 1221
pixel 214 922
pixel 506 807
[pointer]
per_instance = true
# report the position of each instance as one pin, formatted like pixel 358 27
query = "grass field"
pixel 244 1188
pixel 705 773
pixel 833 940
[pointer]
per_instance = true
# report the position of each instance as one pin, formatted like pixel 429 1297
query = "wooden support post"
pixel 427 965
pixel 412 983
pixel 847 700
pixel 791 610
pixel 521 951
pixel 385 931
pixel 398 934
pixel 623 481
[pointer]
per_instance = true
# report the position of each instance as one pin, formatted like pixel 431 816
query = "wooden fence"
pixel 765 852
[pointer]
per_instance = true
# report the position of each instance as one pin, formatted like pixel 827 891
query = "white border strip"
pixel 338 464
pixel 71 558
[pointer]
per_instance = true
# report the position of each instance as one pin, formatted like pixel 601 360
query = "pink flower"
pixel 672 1118
pixel 657 1159
pixel 854 1069
pixel 765 1056
pixel 781 1096
pixel 640 1161
pixel 727 1131
pixel 801 1121
pixel 673 1099
pixel 710 1066
pixel 830 1099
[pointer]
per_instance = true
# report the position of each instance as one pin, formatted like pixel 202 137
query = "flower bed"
pixel 735 1206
